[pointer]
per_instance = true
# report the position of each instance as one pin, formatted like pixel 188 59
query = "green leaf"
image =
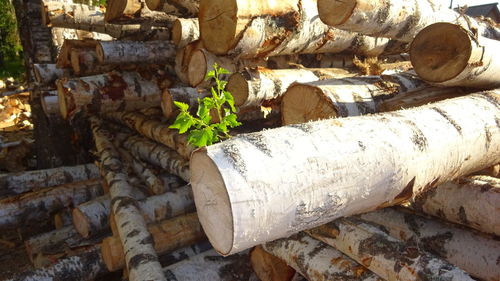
pixel 183 122
pixel 224 71
pixel 201 137
pixel 182 106
pixel 231 120
pixel 210 75
pixel 203 112
pixel 230 100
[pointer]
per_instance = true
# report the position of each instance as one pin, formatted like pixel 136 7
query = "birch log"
pixel 17 183
pixel 183 8
pixel 386 256
pixel 400 20
pixel 91 218
pixel 85 63
pixel 269 267
pixel 47 73
pixel 184 253
pixel 50 103
pixel 236 183
pixel 63 59
pixel 354 96
pixel 167 235
pixel 186 95
pixel 38 205
pixel 112 91
pixel 182 58
pixel 211 266
pixel 474 253
pixel 185 31
pixel 316 260
pixel 253 86
pixel 126 52
pixel 140 256
pixel 62 218
pixel 450 55
pixel 266 28
pixel 470 201
pixel 116 9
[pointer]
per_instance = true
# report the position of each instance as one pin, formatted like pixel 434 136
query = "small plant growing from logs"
pixel 202 131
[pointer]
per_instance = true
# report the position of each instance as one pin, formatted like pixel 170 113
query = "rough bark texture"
pixel 450 55
pixel 316 260
pixel 126 52
pixel 48 73
pixel 183 8
pixel 237 183
pixel 474 253
pixel 265 28
pixel 113 91
pixel 185 31
pixel 469 201
pixel 167 235
pixel 269 267
pixel 39 205
pixel 386 256
pixel 17 183
pixel 400 20
pixel 211 266
pixel 354 96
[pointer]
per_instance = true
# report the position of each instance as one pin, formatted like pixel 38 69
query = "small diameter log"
pixel 470 201
pixel 400 20
pixel 17 183
pixel 448 55
pixel 168 235
pixel 474 253
pixel 39 205
pixel 84 63
pixel 354 96
pixel 211 266
pixel 269 267
pixel 182 58
pixel 48 73
pixel 265 28
pixel 127 52
pixel 229 178
pixel 112 91
pixel 316 260
pixel 91 218
pixel 251 87
pixel 82 267
pixel 50 103
pixel 185 31
pixel 386 256
pixel 116 9
pixel 63 218
pixel 186 95
pixel 181 8
pixel 64 57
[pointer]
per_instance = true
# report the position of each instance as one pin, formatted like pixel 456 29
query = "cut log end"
pixel 80 222
pixel 222 13
pixel 75 61
pixel 212 200
pixel 335 12
pixel 176 31
pixel 115 9
pixel 167 104
pixel 197 68
pixel 100 53
pixel 112 253
pixel 63 104
pixel 302 103
pixel 154 5
pixel 440 52
pixel 239 87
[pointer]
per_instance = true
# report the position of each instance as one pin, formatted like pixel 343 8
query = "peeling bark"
pixel 126 52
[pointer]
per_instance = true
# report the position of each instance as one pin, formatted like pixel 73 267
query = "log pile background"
pixel 370 145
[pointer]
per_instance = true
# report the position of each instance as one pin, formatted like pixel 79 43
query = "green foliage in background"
pixel 202 131
pixel 11 63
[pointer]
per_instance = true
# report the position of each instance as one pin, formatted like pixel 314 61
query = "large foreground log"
pixel 47 73
pixel 126 52
pixel 17 183
pixel 400 20
pixel 39 205
pixel 471 201
pixel 450 55
pixel 468 250
pixel 267 28
pixel 316 260
pixel 239 184
pixel 168 235
pixel 386 256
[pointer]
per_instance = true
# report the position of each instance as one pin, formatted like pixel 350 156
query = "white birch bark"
pixel 185 31
pixel 184 253
pixel 470 201
pixel 239 184
pixel 126 52
pixel 50 103
pixel 445 54
pixel 91 218
pixel 386 256
pixel 316 260
pixel 47 73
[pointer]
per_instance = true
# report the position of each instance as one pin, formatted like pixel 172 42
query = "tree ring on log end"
pixel 239 87
pixel 112 253
pixel 335 12
pixel 167 104
pixel 221 14
pixel 176 31
pixel 197 68
pixel 440 52
pixel 80 222
pixel 153 4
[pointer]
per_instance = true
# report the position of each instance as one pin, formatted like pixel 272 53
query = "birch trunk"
pixel 50 103
pixel 400 20
pixel 140 256
pixel 474 253
pixel 47 73
pixel 39 205
pixel 85 266
pixel 265 28
pixel 386 256
pixel 251 87
pixel 354 96
pixel 126 52
pixel 449 55
pixel 185 31
pixel 316 260
pixel 84 63
pixel 458 202
pixel 236 183
pixel 268 267
pixel 113 91
pixel 211 266
pixel 182 8
pixel 17 183
pixel 167 235
pixel 186 95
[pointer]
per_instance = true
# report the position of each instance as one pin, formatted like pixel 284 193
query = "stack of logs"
pixel 396 194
